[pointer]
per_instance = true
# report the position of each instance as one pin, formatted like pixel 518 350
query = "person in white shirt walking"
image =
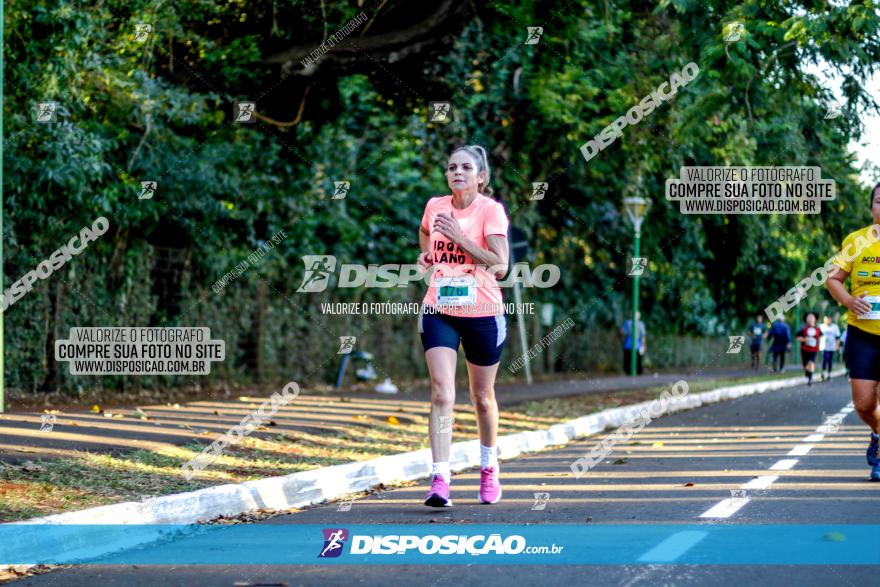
pixel 830 344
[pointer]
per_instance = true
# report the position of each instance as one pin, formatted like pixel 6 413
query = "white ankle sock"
pixel 442 469
pixel 488 456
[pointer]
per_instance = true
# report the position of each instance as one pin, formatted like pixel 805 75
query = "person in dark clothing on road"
pixel 780 341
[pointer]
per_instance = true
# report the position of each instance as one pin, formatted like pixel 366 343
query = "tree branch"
pixel 384 43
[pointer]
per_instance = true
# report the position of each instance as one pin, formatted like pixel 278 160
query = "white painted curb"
pixel 312 487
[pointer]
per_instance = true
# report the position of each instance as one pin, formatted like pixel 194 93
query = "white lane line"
pixel 800 450
pixel 783 465
pixel 728 507
pixel 762 482
pixel 673 547
pixel 725 508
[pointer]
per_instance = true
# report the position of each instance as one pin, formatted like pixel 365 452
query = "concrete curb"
pixel 312 487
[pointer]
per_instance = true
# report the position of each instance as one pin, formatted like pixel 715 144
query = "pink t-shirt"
pixel 464 288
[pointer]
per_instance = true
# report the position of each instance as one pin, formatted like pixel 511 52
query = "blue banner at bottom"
pixel 435 544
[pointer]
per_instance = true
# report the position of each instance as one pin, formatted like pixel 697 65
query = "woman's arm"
pixel 425 257
pixel 497 254
pixel 838 291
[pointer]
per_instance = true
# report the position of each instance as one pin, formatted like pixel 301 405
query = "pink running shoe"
pixel 490 487
pixel 438 496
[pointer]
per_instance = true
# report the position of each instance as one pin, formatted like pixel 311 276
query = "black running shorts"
pixel 482 337
pixel 862 353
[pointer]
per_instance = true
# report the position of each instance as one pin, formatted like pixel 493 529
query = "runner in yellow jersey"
pixel 859 259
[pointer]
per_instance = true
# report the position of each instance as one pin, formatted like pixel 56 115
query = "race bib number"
pixel 874 314
pixel 456 291
pixel 756 331
pixel 811 341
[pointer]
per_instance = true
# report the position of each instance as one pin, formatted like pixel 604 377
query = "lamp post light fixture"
pixel 636 209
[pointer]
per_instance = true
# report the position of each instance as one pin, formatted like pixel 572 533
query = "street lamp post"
pixel 636 208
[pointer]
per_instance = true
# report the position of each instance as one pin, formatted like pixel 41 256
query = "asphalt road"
pixel 677 470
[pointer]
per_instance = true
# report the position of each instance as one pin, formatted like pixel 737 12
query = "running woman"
pixel 464 237
pixel 860 258
pixel 808 336
pixel 829 345
pixel 757 332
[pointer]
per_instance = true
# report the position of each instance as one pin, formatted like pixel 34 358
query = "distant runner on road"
pixel 780 335
pixel 863 322
pixel 829 345
pixel 626 331
pixel 464 237
pixel 808 336
pixel 757 333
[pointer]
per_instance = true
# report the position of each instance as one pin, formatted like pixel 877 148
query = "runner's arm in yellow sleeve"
pixel 837 289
